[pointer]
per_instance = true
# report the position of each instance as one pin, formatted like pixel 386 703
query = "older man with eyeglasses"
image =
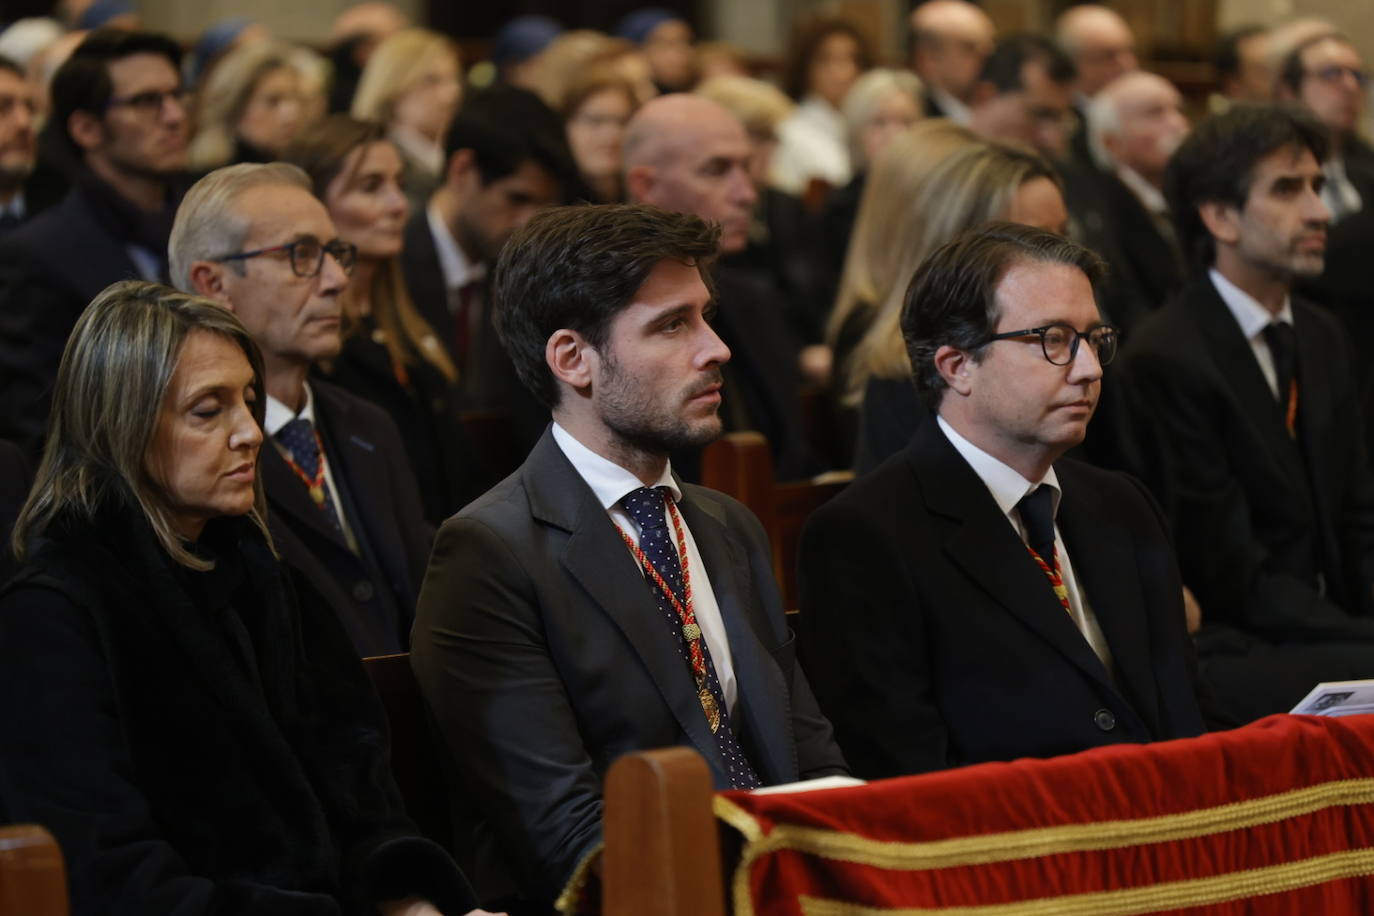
pixel 119 110
pixel 345 510
pixel 978 597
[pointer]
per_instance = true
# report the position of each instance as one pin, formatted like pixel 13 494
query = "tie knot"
pixel 1037 515
pixel 645 506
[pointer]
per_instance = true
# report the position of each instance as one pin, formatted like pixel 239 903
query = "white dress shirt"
pixel 1339 193
pixel 953 109
pixel 457 268
pixel 1008 488
pixel 812 143
pixel 1253 318
pixel 278 415
pixel 611 483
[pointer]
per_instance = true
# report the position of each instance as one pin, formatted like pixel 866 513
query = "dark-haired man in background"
pixel 506 159
pixel 120 102
pixel 17 147
pixel 1254 394
pixel 1025 95
pixel 592 604
pixel 974 597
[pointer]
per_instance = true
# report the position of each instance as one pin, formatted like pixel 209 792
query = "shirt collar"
pixel 417 147
pixel 16 207
pixel 458 269
pixel 278 414
pixel 1006 485
pixel 609 481
pixel 1252 317
pixel 954 109
pixel 1150 197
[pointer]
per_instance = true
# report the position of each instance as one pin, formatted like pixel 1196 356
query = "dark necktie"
pixel 1282 340
pixel 466 301
pixel 656 541
pixel 302 448
pixel 1037 515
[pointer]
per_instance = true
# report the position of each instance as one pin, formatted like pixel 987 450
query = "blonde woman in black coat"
pixel 197 743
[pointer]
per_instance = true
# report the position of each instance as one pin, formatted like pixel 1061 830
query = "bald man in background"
pixel 950 40
pixel 687 154
pixel 1102 46
pixel 1134 125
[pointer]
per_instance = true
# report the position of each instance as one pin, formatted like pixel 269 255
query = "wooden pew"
pixel 33 877
pixel 741 465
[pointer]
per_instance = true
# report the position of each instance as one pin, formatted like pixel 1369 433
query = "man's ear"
pixel 207 279
pixel 570 358
pixel 953 365
pixel 639 183
pixel 86 130
pixel 1222 221
pixel 460 169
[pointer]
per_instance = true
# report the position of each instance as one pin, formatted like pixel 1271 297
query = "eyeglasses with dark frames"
pixel 306 254
pixel 1059 341
pixel 1335 73
pixel 150 103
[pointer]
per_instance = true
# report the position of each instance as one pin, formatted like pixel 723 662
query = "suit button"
pixel 1104 719
pixel 362 590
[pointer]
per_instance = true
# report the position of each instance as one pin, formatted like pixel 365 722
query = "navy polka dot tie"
pixel 648 509
pixel 303 448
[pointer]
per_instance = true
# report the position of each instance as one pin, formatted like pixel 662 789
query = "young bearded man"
pixel 592 604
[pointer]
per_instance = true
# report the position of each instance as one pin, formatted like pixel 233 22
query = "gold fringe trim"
pixel 1155 898
pixel 568 901
pixel 1043 841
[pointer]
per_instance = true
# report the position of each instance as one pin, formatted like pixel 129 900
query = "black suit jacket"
pixel 489 381
pixel 933 640
pixel 540 652
pixel 373 592
pixel 1262 518
pixel 50 269
pixel 1146 268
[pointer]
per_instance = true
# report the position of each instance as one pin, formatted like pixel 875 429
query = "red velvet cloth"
pixel 1299 797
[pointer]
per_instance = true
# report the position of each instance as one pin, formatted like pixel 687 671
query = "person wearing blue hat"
pixel 518 44
pixel 666 40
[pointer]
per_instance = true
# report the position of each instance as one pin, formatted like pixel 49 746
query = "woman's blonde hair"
pixel 111 384
pixel 398 64
pixel 226 94
pixel 759 106
pixel 908 210
pixel 321 152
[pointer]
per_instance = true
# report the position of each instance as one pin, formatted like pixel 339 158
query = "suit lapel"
pixel 596 557
pixel 1103 555
pixel 983 543
pixel 762 696
pixel 1236 358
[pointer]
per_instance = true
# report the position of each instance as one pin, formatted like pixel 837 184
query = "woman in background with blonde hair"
pixel 412 84
pixel 251 108
pixel 974 183
pixel 391 355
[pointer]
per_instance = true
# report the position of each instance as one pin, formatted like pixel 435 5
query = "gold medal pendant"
pixel 708 705
pixel 317 494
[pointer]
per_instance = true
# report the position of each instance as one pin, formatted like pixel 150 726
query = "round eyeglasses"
pixel 1060 341
pixel 306 254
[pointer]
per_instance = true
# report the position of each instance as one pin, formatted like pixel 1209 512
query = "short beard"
pixel 639 426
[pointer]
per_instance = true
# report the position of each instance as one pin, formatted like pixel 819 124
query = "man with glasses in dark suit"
pixel 119 104
pixel 975 598
pixel 345 510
